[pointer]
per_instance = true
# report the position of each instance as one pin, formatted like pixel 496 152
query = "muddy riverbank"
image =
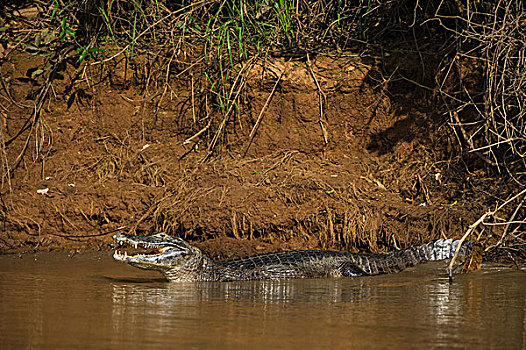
pixel 328 150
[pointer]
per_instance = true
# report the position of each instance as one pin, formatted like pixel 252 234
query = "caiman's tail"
pixel 442 249
pixel 397 261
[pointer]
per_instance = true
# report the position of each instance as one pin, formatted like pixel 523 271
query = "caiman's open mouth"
pixel 125 249
pixel 133 246
pixel 158 250
pixel 139 251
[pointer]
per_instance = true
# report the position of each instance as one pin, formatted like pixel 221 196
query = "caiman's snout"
pixel 157 252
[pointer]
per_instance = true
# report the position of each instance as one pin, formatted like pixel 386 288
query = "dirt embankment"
pixel 317 157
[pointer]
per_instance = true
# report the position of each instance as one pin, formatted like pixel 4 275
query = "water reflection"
pixel 256 292
pixel 422 309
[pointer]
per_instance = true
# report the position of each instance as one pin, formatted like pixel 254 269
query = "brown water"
pixel 50 300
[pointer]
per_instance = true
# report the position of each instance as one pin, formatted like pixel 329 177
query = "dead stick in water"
pixel 466 235
pixel 261 113
pixel 474 225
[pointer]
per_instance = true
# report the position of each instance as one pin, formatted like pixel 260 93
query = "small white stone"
pixel 43 191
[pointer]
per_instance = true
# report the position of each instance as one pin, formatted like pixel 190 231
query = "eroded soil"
pixel 365 173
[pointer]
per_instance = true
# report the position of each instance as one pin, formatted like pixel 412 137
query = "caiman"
pixel 177 260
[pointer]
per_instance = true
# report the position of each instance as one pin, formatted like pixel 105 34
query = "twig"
pixel 261 113
pixel 190 139
pixel 193 103
pixel 466 235
pixel 322 100
pixel 89 236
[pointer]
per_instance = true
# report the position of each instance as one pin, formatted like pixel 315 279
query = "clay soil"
pixel 369 172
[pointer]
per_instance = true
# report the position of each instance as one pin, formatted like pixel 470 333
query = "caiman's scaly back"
pixel 180 261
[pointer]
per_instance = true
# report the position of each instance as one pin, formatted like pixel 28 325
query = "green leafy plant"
pixel 87 51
